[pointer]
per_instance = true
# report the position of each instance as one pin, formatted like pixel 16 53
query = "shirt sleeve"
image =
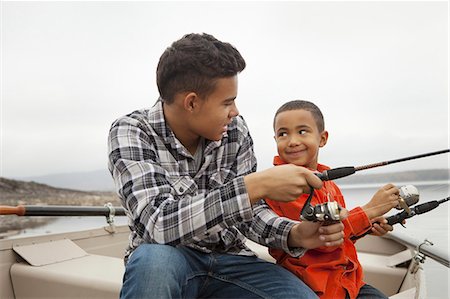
pixel 271 230
pixel 357 222
pixel 159 212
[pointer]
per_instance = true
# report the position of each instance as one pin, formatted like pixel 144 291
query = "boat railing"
pixel 62 210
pixel 423 248
pixel 108 210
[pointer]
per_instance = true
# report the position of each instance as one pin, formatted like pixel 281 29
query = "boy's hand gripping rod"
pixel 341 172
pixel 416 210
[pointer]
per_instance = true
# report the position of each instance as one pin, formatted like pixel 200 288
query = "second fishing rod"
pixel 330 211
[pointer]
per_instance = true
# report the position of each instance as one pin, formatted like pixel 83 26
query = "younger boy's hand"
pixel 380 226
pixel 383 200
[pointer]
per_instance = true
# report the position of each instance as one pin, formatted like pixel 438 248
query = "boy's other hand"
pixel 282 183
pixel 383 201
pixel 380 226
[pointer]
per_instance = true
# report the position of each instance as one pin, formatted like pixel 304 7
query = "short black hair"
pixel 303 105
pixel 194 63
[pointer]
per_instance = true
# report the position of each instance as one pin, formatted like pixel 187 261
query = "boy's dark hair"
pixel 194 63
pixel 303 105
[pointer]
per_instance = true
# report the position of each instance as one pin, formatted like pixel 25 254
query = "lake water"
pixel 433 226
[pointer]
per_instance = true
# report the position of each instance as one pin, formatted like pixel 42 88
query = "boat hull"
pixel 89 264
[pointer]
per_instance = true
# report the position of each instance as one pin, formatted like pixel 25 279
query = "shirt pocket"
pixel 183 186
pixel 216 180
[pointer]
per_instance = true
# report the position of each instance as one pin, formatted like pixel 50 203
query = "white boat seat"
pixel 380 273
pixel 67 271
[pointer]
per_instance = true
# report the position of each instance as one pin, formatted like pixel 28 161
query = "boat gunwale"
pixel 434 253
pixel 9 243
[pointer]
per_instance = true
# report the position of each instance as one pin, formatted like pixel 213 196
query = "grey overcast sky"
pixel 378 71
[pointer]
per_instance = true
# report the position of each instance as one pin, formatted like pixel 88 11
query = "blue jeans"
pixel 162 271
pixel 369 292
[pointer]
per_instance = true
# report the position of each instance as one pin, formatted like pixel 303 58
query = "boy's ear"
pixel 323 138
pixel 190 101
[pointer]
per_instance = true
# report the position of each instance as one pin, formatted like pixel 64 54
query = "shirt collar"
pixel 159 125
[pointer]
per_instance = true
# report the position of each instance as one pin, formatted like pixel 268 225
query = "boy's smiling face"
pixel 298 138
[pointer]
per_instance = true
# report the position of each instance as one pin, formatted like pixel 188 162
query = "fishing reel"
pixel 409 195
pixel 328 212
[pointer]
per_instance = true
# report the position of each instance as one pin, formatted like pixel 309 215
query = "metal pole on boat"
pixel 24 210
pixel 341 172
pixel 436 254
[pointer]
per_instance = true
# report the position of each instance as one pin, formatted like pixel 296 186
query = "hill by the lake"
pixel 404 177
pixel 97 180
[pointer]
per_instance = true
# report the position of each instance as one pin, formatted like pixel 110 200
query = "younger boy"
pixel 332 272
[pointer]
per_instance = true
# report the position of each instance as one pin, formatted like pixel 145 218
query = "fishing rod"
pixel 108 210
pixel 54 210
pixel 417 210
pixel 414 211
pixel 341 172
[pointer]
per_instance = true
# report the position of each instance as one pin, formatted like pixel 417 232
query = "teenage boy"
pixel 332 272
pixel 185 172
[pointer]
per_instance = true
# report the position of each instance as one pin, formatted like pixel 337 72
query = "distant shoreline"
pixel 101 179
pixel 398 183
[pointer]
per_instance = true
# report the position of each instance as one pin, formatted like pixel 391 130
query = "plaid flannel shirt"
pixel 169 201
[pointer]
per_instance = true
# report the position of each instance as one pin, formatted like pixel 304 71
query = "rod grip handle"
pixel 397 218
pixel 8 210
pixel 336 173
